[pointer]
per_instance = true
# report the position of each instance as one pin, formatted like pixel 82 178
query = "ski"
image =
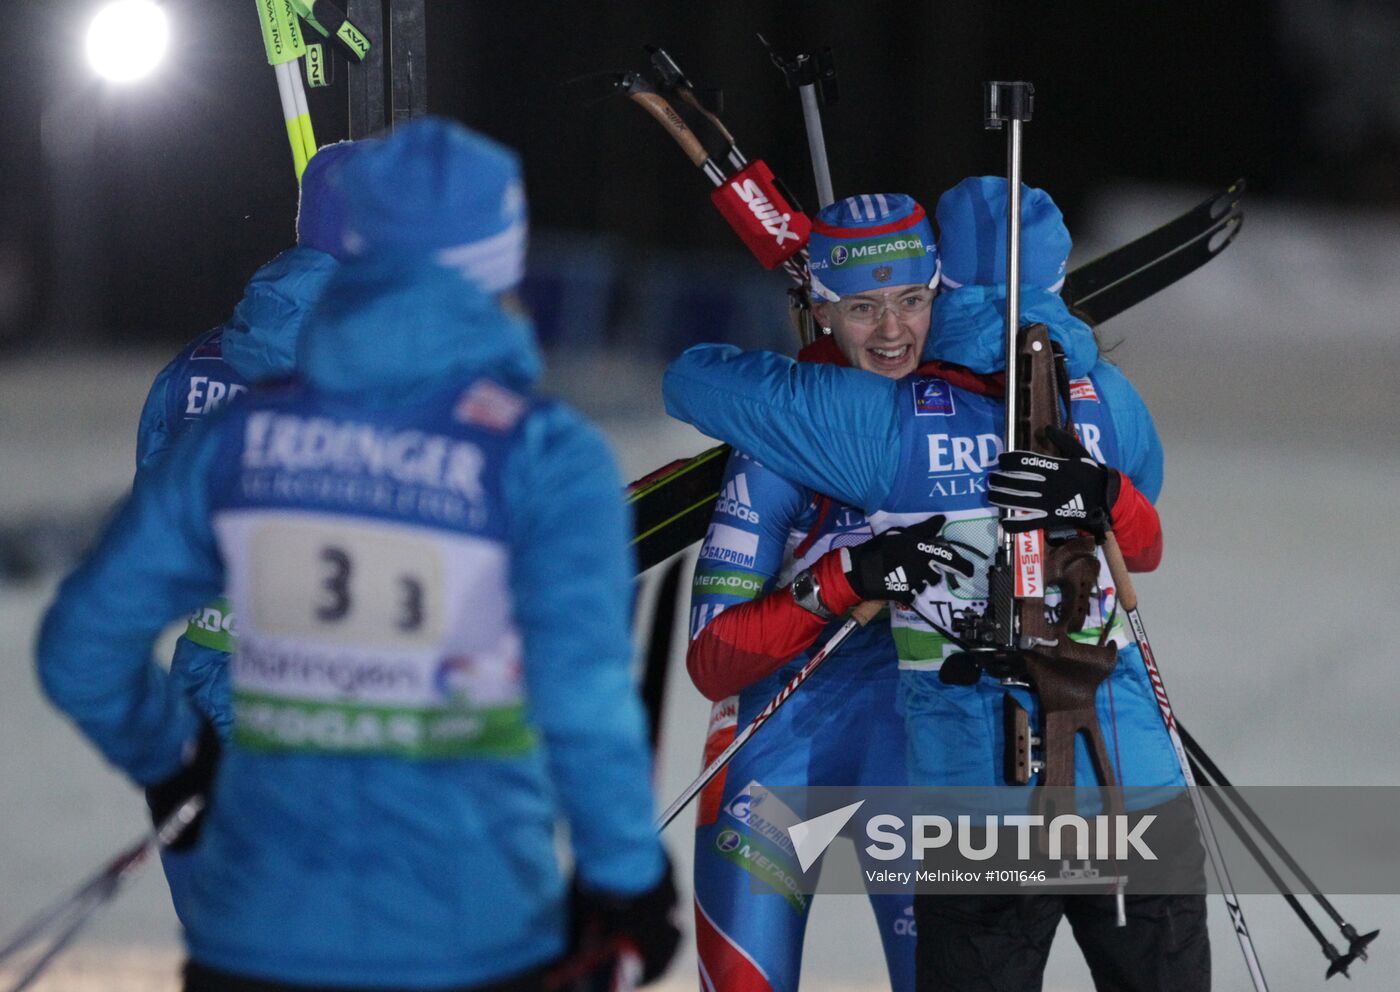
pixel 656 649
pixel 672 505
pixel 408 61
pixel 366 86
pixel 390 87
pixel 1123 261
pixel 1157 274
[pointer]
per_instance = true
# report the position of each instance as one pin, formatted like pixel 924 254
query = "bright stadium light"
pixel 127 40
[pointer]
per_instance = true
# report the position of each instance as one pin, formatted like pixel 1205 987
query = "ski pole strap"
pixel 330 22
pixel 282 38
pixel 319 71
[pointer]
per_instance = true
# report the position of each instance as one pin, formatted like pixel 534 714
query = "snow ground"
pixel 1270 376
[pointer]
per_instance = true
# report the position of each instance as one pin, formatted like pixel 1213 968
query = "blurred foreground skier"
pixel 926 448
pixel 770 563
pixel 433 657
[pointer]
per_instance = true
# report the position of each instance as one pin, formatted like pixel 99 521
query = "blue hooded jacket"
pixel 374 870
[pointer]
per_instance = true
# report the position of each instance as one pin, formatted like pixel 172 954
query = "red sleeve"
pixel 752 640
pixel 1137 527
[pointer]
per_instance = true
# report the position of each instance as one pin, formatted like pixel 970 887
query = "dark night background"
pixel 131 217
pixel 189 187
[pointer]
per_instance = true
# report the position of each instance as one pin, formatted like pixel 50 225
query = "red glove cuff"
pixel 837 594
pixel 1137 527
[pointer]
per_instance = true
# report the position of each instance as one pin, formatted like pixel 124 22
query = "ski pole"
pixel 1127 599
pixel 642 93
pixel 750 201
pixel 860 616
pixel 284 45
pixel 1336 961
pixel 308 136
pixel 75 910
pixel 814 78
pixel 674 80
pixel 1358 941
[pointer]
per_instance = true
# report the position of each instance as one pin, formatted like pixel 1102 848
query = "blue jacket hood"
pixel 969 328
pixel 387 327
pixel 260 339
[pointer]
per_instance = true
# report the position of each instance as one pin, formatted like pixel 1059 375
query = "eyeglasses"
pixel 867 311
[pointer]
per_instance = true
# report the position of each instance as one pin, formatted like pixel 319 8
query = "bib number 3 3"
pixel 361 584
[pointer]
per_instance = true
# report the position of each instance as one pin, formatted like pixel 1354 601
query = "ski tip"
pixel 1223 236
pixel 1228 200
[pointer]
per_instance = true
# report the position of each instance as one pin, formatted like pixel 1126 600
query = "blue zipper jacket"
pixel 372 826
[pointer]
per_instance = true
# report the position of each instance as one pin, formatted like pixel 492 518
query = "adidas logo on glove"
pixel 1074 508
pixel 1045 463
pixel 897 581
pixel 937 550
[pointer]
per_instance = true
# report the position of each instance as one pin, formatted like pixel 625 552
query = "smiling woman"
pixel 127 39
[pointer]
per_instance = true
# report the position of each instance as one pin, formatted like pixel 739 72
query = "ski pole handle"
pixel 660 108
pixel 860 616
pixel 1118 568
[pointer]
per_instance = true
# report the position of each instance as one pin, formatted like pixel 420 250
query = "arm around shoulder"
pixel 834 430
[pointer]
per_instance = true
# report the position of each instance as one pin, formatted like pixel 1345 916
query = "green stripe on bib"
pixel 275 723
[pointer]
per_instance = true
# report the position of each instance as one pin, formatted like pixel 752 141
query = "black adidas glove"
pixel 1069 491
pixel 900 562
pixel 193 779
pixel 642 922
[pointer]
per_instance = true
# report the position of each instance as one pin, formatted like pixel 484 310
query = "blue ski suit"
pixel 433 659
pixel 761 535
pixel 904 450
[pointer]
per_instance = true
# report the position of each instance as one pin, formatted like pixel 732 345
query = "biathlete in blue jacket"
pixel 433 657
pixel 751 631
pixel 916 453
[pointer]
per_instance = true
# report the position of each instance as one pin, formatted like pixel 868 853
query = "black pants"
pixel 972 943
pixel 198 978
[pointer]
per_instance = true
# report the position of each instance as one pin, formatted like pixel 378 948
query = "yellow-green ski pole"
pixel 308 136
pixel 284 45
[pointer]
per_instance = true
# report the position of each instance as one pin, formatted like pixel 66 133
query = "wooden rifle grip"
pixel 1122 581
pixel 660 108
